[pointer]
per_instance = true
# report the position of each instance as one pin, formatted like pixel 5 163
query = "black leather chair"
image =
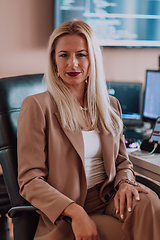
pixel 13 90
pixel 4 207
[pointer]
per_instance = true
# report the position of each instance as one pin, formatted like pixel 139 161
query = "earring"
pixel 87 80
pixel 58 75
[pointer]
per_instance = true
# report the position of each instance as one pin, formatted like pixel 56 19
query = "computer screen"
pixel 151 105
pixel 128 23
pixel 130 98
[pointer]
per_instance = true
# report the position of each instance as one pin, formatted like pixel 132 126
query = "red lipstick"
pixel 73 74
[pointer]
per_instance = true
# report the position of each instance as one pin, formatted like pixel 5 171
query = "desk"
pixel 148 165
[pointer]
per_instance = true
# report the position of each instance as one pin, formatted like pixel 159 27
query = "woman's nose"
pixel 73 62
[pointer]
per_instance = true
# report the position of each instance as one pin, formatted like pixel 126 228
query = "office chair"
pixel 13 90
pixel 5 205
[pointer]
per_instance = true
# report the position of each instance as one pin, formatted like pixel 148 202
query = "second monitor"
pixel 130 97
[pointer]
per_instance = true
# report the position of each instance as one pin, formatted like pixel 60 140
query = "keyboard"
pixel 132 138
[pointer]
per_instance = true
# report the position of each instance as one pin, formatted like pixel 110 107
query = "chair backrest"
pixel 13 90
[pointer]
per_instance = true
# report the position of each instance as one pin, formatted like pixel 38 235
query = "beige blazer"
pixel 51 172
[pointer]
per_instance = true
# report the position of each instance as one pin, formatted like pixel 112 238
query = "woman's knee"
pixel 108 227
pixel 146 206
pixel 143 221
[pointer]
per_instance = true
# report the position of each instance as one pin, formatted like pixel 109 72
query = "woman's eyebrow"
pixel 62 51
pixel 83 50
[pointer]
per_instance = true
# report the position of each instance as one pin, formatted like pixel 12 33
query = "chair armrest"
pixel 153 186
pixel 68 220
pixel 16 211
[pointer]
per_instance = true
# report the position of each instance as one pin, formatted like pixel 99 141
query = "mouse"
pixel 131 144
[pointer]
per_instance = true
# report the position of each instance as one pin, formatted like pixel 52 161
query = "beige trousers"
pixel 142 223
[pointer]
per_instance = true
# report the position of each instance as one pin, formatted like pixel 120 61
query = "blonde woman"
pixel 72 159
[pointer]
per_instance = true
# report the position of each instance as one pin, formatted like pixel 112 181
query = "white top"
pixel 94 166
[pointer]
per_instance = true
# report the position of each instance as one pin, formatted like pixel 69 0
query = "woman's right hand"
pixel 83 226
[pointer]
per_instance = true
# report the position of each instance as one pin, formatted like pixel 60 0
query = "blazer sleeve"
pixel 32 162
pixel 124 167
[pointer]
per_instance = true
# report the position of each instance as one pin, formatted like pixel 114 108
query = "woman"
pixel 72 159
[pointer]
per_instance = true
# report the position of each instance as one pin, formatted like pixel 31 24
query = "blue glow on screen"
pixel 131 23
pixel 152 95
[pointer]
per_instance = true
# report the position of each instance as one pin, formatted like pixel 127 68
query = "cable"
pixel 154 148
pixel 150 153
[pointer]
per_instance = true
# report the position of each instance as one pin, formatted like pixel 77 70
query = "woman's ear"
pixel 54 62
pixel 53 57
pixel 55 65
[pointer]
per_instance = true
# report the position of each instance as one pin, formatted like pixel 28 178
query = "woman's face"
pixel 72 60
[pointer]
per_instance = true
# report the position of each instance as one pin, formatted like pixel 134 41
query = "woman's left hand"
pixel 124 197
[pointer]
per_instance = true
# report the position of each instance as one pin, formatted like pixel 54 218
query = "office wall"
pixel 25 26
pixel 130 64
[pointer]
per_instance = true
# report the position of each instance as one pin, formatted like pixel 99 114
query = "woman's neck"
pixel 79 93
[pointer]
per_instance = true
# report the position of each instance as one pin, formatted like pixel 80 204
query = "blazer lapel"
pixel 108 155
pixel 107 142
pixel 75 138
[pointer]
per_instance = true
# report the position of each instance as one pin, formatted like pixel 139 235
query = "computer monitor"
pixel 125 23
pixel 151 105
pixel 130 97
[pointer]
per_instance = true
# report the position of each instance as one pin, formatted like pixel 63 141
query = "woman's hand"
pixel 83 226
pixel 124 196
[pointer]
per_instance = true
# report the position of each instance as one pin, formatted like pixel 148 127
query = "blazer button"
pixel 106 197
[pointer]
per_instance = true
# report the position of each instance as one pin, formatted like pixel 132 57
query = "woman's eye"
pixel 63 55
pixel 82 55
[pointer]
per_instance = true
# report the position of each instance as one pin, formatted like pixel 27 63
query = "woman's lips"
pixel 73 74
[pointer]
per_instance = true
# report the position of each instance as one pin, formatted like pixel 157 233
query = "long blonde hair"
pixel 97 98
